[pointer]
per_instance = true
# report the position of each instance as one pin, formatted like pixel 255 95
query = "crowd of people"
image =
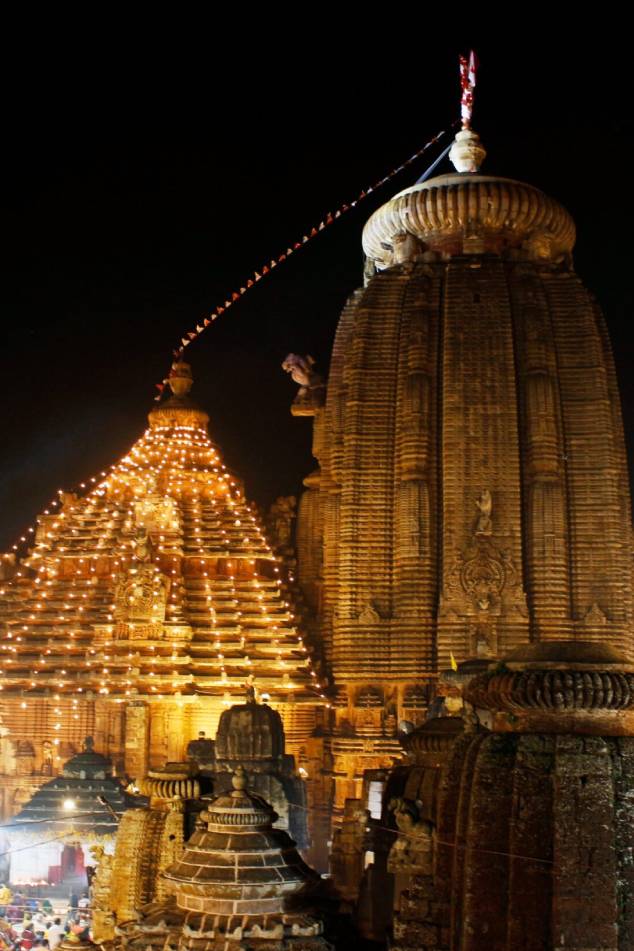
pixel 27 922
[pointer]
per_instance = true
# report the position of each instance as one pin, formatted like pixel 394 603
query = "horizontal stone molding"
pixel 553 690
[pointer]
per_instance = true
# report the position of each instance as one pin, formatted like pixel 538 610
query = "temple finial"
pixel 239 779
pixel 467 152
pixel 180 378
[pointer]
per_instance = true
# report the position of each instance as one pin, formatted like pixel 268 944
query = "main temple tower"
pixel 143 610
pixel 472 493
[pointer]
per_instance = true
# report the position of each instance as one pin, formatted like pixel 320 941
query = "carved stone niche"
pixel 416 700
pixel 157 514
pixel 482 577
pixel 24 758
pixel 141 595
pixel 139 631
pixel 483 639
pixel 412 850
pixel 369 707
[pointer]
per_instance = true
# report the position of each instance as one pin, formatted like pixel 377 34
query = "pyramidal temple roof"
pixel 159 580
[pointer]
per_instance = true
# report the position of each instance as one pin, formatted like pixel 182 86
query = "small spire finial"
pixel 180 378
pixel 467 152
pixel 239 779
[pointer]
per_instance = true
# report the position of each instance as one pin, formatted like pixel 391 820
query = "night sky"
pixel 135 202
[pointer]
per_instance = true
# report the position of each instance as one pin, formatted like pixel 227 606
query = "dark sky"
pixel 136 198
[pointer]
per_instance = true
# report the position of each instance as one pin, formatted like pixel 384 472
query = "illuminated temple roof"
pixel 87 799
pixel 159 580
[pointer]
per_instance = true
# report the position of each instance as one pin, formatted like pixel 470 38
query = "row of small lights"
pixel 189 441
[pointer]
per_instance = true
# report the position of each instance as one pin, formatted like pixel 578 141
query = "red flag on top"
pixel 467 85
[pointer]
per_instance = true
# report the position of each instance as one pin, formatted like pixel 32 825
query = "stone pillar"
pixel 176 734
pixel 543 835
pixel 137 738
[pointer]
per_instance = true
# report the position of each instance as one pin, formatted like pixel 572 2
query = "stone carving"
pixel 483 640
pixel 470 718
pixel 413 850
pixel 201 750
pixel 482 572
pixel 311 384
pixel 100 895
pixel 369 614
pixel 143 545
pixel 281 515
pixel 156 514
pixel 300 369
pixel 250 689
pixel 484 504
pixel 479 573
pixel 594 616
pixel 47 758
pixel 369 270
pixel 141 595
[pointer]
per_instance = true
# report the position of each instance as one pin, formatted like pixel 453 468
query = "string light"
pixel 309 236
pixel 157 580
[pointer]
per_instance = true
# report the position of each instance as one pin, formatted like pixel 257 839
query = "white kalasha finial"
pixel 467 152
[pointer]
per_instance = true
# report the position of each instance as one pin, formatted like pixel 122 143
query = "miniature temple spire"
pixel 240 880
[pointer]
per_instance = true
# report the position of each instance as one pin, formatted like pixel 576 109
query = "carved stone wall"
pixel 532 820
pixel 453 379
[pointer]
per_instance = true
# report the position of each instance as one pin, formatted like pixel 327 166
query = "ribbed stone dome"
pixel 250 731
pixel 88 764
pixel 455 214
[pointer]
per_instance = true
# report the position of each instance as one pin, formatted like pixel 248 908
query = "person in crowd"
pixel 55 933
pixel 47 908
pixel 27 938
pixel 5 897
pixel 7 930
pixel 39 923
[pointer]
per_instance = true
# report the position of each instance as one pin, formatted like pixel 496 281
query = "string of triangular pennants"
pixel 267 269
